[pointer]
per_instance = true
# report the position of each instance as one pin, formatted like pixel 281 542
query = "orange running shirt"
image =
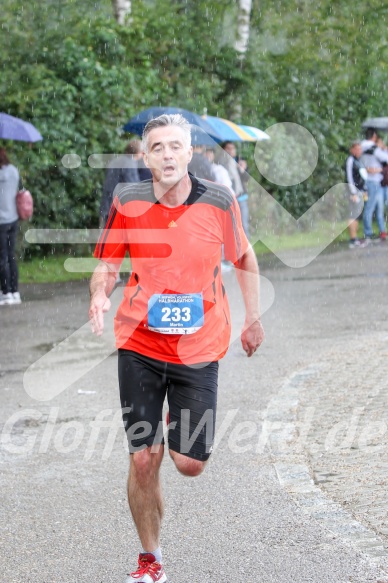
pixel 174 251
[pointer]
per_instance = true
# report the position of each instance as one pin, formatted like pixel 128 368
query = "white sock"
pixel 157 554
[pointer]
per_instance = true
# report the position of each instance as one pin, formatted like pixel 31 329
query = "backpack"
pixel 24 204
pixel 370 150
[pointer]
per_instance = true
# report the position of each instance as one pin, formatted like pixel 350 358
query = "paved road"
pixel 289 495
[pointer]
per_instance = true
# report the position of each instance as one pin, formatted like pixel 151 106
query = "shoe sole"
pixel 162 580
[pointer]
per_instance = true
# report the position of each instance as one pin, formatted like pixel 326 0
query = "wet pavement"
pixel 297 486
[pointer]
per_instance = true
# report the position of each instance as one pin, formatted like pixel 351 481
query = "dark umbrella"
pixel 379 123
pixel 13 128
pixel 201 131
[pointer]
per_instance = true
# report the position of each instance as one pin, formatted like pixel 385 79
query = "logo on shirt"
pixel 172 224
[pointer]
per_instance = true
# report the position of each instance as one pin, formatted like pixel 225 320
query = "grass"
pixel 59 269
pixel 48 269
pixel 297 240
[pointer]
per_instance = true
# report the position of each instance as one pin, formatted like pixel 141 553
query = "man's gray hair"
pixel 165 120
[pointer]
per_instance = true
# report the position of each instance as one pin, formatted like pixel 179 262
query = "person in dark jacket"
pixel 121 169
pixel 134 148
pixel 355 177
pixel 9 186
pixel 200 166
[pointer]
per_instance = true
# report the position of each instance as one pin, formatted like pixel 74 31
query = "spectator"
pixel 9 186
pixel 373 158
pixel 200 166
pixel 355 177
pixel 220 173
pixel 384 182
pixel 228 160
pixel 134 148
pixel 243 198
pixel 120 170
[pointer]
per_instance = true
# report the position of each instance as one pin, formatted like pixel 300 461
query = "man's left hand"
pixel 252 337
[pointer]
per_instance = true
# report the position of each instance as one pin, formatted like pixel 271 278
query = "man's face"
pixel 168 154
pixel 231 150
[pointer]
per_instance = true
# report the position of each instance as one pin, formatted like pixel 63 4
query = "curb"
pixel 285 443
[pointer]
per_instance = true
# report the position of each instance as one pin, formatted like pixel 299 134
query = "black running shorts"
pixel 192 399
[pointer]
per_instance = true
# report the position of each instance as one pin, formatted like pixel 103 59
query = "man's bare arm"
pixel 101 286
pixel 248 278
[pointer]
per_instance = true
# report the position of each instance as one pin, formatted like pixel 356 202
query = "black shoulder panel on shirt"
pixel 135 191
pixel 203 191
pixel 212 193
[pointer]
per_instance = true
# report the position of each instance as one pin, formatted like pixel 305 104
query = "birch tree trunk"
pixel 243 27
pixel 241 46
pixel 122 9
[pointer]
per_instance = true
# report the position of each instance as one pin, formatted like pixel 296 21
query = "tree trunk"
pixel 122 9
pixel 243 27
pixel 241 46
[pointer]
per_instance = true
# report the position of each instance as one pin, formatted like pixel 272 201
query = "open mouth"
pixel 169 169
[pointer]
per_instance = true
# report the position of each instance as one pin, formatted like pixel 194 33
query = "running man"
pixel 173 325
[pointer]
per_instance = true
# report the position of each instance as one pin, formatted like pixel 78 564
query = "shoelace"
pixel 146 568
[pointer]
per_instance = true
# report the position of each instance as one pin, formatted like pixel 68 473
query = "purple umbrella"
pixel 13 128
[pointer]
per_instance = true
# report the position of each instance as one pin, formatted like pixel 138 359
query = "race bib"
pixel 175 313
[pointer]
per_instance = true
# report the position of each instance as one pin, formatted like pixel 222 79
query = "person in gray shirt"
pixel 237 175
pixel 9 186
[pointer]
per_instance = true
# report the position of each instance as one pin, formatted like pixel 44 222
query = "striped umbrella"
pixel 225 130
pixel 205 130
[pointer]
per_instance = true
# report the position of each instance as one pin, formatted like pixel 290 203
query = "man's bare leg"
pixel 187 466
pixel 145 495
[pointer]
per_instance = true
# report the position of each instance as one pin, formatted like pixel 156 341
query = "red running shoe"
pixel 148 571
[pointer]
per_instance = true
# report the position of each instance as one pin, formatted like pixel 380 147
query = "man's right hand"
pixel 99 304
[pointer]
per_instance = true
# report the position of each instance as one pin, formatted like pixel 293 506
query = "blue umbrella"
pixel 13 128
pixel 201 131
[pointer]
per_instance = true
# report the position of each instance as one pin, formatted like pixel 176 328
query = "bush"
pixel 78 76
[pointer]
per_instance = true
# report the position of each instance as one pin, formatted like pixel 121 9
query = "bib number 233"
pixel 175 313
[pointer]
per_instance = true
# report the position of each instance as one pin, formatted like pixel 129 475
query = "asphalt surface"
pixel 64 514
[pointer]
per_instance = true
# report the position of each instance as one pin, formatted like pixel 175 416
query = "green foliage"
pixel 320 65
pixel 77 75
